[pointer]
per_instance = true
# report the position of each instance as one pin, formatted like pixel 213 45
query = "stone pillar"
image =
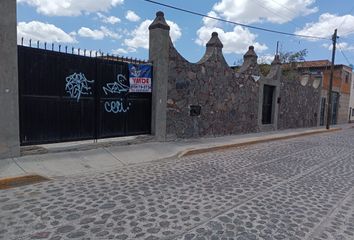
pixel 159 55
pixel 9 117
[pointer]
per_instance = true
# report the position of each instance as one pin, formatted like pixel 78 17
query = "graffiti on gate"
pixel 116 86
pixel 116 106
pixel 77 85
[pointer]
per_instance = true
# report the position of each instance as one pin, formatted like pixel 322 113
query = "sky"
pixel 121 26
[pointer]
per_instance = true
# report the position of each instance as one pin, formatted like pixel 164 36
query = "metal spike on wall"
pixel 52 46
pixel 30 42
pixel 66 49
pixel 59 47
pixel 38 44
pixel 45 45
pixel 22 41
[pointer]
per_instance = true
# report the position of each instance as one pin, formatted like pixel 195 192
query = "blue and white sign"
pixel 140 78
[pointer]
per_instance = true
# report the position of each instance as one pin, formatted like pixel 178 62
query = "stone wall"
pixel 230 100
pixel 299 105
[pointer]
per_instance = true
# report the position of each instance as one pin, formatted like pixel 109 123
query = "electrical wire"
pixel 344 19
pixel 275 13
pixel 347 33
pixel 290 10
pixel 235 23
pixel 345 56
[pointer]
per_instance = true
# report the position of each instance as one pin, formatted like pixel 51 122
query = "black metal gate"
pixel 68 97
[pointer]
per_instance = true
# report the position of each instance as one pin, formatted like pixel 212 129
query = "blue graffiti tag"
pixel 115 106
pixel 77 85
pixel 116 87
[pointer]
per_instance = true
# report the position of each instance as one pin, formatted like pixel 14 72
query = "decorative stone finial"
pixel 159 22
pixel 160 14
pixel 250 53
pixel 215 41
pixel 276 60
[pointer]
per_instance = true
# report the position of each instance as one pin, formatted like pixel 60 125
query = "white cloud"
pixel 109 33
pixel 275 11
pixel 97 34
pixel 327 23
pixel 236 41
pixel 132 16
pixel 140 35
pixel 71 7
pixel 344 46
pixel 44 32
pixel 108 19
pixel 120 51
pixel 89 33
pixel 265 59
pixel 209 22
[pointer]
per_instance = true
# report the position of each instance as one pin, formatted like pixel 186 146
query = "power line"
pixel 347 33
pixel 290 10
pixel 235 23
pixel 344 19
pixel 345 56
pixel 277 14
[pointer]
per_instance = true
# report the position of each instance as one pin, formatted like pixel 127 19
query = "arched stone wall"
pixel 209 98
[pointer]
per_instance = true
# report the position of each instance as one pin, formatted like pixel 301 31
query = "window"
pixel 346 76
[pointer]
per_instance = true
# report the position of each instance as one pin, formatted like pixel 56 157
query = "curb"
pixel 191 152
pixel 12 182
pixel 88 145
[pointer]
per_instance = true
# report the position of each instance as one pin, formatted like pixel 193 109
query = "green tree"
pixel 291 57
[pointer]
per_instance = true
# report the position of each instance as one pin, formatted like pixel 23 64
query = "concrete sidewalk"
pixel 85 157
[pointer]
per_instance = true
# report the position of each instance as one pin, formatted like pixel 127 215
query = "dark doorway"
pixel 335 102
pixel 323 108
pixel 267 108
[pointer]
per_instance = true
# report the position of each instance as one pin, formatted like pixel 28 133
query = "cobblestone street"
pixel 295 189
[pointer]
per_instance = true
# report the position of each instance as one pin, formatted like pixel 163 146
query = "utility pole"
pixel 277 52
pixel 329 110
